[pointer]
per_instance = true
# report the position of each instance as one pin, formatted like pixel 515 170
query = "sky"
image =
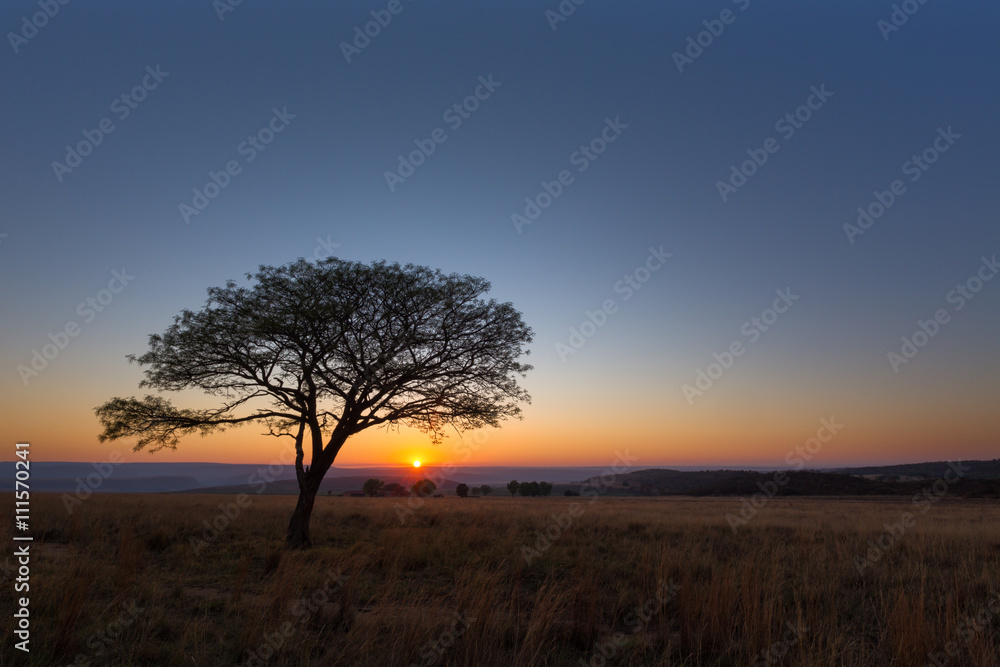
pixel 738 229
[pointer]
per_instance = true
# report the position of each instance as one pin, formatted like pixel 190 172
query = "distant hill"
pixel 330 485
pixel 802 483
pixel 165 477
pixel 805 483
pixel 929 470
pixel 980 480
pixel 657 481
pixel 151 484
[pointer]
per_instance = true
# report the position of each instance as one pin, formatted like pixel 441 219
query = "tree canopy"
pixel 318 351
pixel 423 488
pixel 373 487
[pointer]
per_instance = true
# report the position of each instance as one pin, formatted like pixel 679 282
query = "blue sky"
pixel 323 178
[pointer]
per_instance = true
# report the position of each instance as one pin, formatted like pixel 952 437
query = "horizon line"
pixel 714 466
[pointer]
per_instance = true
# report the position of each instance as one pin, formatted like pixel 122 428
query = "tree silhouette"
pixel 512 486
pixel 423 488
pixel 394 489
pixel 486 489
pixel 528 488
pixel 373 487
pixel 544 488
pixel 462 490
pixel 317 352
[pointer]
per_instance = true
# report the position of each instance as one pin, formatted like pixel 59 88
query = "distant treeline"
pixel 529 488
pixel 799 483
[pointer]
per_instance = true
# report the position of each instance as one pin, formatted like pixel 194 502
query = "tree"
pixel 462 490
pixel 512 486
pixel 373 487
pixel 423 488
pixel 394 489
pixel 486 489
pixel 528 489
pixel 319 351
pixel 544 488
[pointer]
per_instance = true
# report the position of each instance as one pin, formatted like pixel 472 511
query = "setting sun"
pixel 416 464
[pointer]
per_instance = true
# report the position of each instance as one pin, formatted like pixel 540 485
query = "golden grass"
pixel 118 582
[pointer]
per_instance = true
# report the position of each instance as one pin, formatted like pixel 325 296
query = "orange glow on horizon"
pixel 658 429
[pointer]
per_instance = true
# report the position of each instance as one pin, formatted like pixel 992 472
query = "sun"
pixel 416 464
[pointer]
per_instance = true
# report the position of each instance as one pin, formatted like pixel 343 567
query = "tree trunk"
pixel 309 479
pixel 298 526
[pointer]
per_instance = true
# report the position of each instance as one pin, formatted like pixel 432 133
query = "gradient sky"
pixel 323 178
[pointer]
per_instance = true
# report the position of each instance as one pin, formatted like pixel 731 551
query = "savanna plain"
pixel 139 580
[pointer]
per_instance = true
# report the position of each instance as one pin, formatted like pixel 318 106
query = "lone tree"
pixel 528 488
pixel 462 490
pixel 317 352
pixel 423 488
pixel 486 489
pixel 373 487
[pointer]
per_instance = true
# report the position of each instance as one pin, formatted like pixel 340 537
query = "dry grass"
pixel 454 574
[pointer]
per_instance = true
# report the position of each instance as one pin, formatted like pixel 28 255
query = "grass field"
pixel 622 581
